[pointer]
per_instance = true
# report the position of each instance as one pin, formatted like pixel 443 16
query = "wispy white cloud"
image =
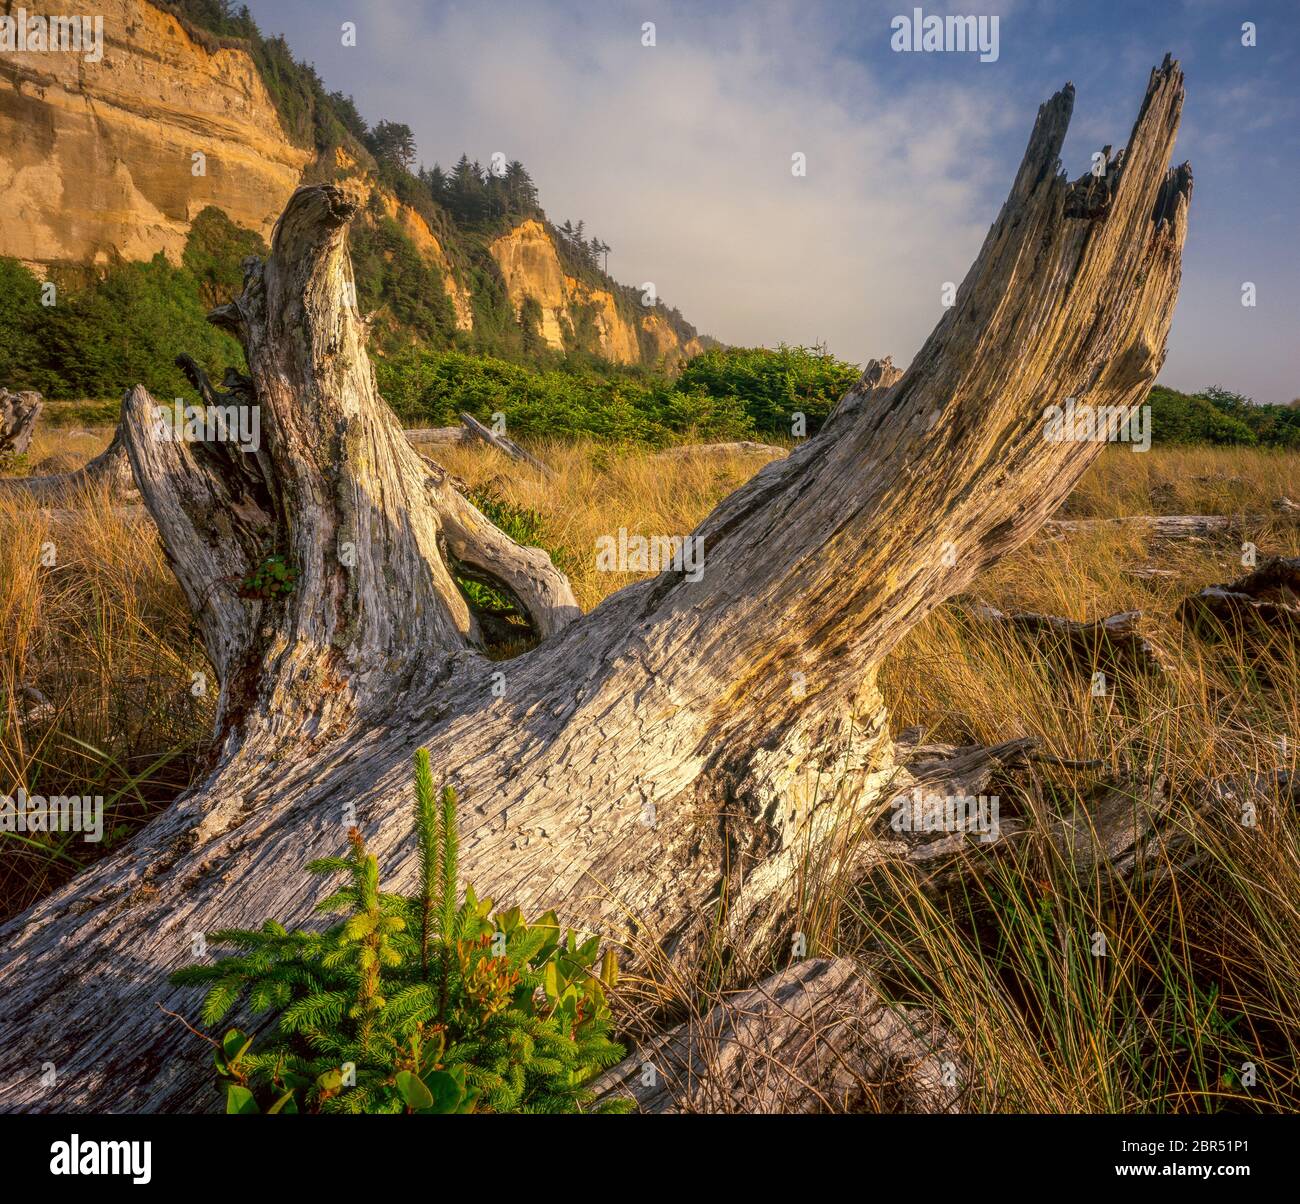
pixel 679 155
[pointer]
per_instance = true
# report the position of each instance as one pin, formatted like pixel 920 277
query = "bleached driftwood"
pixel 1115 640
pixel 1266 598
pixel 18 414
pixel 108 475
pixel 742 447
pixel 1162 526
pixel 660 766
pixel 815 1037
pixel 507 447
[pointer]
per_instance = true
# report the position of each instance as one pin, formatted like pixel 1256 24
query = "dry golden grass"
pixel 1201 972
pixel 92 623
pixel 1192 480
pixel 596 491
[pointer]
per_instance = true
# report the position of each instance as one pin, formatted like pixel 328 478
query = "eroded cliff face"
pixel 531 267
pixel 364 186
pixel 97 159
pixel 616 336
pixel 667 348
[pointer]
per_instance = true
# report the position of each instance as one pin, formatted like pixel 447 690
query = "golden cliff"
pixel 531 267
pixel 110 157
pixel 113 159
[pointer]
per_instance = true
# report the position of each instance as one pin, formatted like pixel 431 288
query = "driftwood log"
pixel 815 1037
pixel 108 475
pixel 507 447
pixel 743 447
pixel 1159 526
pixel 18 414
pixel 435 436
pixel 656 769
pixel 471 430
pixel 1265 599
pixel 1115 641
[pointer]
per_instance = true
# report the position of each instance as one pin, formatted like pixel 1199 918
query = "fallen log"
pixel 32 706
pixel 815 1037
pixel 1119 825
pixel 656 770
pixel 59 515
pixel 507 447
pixel 1161 526
pixel 438 436
pixel 1115 641
pixel 743 447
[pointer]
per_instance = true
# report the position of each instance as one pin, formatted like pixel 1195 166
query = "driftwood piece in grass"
pixel 1265 599
pixel 435 436
pixel 507 447
pixel 1124 826
pixel 60 515
pixel 18 414
pixel 656 770
pixel 1119 825
pixel 815 1037
pixel 106 477
pixel 1116 641
pixel 452 436
pixel 1162 526
pixel 743 447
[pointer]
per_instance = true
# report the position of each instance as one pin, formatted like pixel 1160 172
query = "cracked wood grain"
pixel 652 768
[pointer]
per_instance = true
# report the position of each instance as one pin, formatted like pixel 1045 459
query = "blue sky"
pixel 679 155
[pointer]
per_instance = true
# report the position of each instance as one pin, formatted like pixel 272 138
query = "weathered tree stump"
pixel 657 769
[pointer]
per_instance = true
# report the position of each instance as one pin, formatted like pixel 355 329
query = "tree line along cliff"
pixel 192 110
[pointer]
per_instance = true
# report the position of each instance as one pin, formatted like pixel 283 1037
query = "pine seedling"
pixel 417 1003
pixel 426 827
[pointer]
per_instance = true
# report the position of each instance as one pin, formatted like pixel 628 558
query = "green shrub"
pixel 1271 425
pixel 613 404
pixel 1188 418
pixel 1220 416
pixel 122 329
pixel 23 359
pixel 274 577
pixel 772 385
pixel 523 524
pixel 412 1003
pixel 214 255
